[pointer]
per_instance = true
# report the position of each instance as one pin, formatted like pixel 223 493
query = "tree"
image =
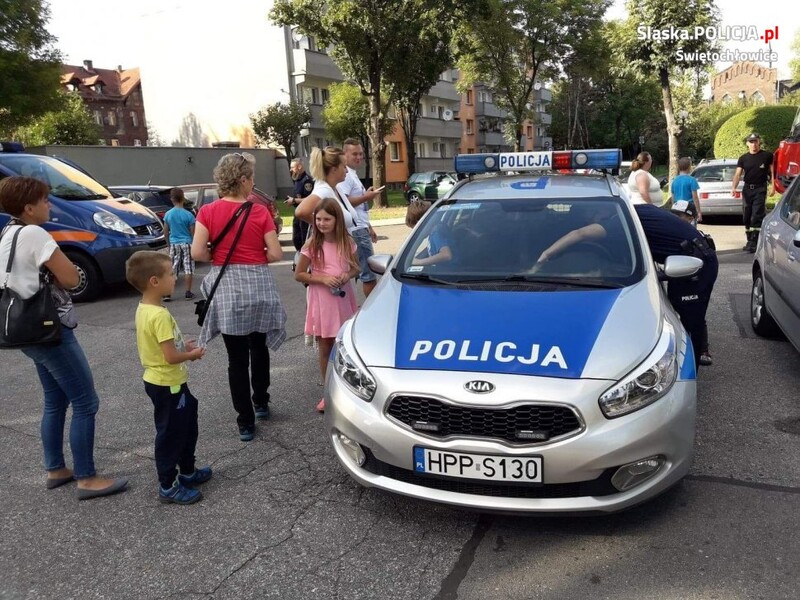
pixel 666 55
pixel 794 62
pixel 30 71
pixel 72 125
pixel 518 42
pixel 364 36
pixel 279 124
pixel 773 123
pixel 347 115
pixel 191 133
pixel 153 138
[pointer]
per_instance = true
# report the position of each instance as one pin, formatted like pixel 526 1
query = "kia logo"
pixel 479 387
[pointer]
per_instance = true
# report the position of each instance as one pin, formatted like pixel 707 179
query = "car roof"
pixel 540 185
pixel 717 161
pixel 141 188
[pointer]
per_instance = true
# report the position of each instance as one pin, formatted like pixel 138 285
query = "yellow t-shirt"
pixel 154 325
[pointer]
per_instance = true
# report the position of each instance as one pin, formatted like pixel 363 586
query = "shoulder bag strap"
pixel 11 253
pixel 229 224
pixel 246 209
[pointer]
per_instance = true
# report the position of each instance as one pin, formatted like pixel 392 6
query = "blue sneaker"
pixel 179 494
pixel 246 432
pixel 199 476
pixel 262 412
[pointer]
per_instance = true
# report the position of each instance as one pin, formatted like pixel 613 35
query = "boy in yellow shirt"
pixel 163 353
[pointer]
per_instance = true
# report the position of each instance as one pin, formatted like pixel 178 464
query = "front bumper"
pixel 112 260
pixel 577 469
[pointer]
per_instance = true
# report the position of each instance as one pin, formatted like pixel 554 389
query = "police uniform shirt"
pixel 303 186
pixel 756 167
pixel 664 231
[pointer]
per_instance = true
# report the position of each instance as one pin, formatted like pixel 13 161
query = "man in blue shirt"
pixel 684 187
pixel 303 185
pixel 179 230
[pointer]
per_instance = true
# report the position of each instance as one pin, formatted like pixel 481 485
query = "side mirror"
pixel 676 267
pixel 796 240
pixel 379 263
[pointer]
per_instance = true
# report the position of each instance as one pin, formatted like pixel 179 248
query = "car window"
pixel 63 180
pixel 496 239
pixel 191 196
pixel 210 195
pixel 714 173
pixel 790 210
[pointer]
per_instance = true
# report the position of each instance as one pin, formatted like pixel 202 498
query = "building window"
pixel 757 97
pixel 137 142
pixel 726 99
pixel 470 126
pixel 530 131
pixel 420 149
pixel 115 142
pixel 469 96
pixel 421 109
pixel 98 117
pixel 98 87
pixel 325 96
pixel 112 118
pixel 394 151
pixel 318 143
pixel 134 119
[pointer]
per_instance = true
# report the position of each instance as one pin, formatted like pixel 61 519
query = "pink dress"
pixel 326 313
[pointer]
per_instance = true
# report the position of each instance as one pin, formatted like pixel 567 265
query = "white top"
pixel 352 187
pixel 322 190
pixel 654 188
pixel 34 248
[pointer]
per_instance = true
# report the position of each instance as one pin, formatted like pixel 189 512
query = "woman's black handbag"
pixel 201 306
pixel 30 321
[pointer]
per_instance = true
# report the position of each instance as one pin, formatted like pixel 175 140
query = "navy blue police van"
pixel 97 231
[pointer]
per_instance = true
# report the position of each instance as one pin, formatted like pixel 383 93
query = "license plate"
pixel 720 195
pixel 488 467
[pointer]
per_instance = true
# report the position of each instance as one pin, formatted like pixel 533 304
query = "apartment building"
pixel 450 123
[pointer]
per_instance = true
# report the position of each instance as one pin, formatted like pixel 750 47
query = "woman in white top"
pixel 328 168
pixel 643 187
pixel 63 370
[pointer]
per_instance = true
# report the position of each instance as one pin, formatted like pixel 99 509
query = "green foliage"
pixel 29 64
pixel 516 42
pixel 280 124
pixel 72 125
pixel 771 122
pixel 346 114
pixel 794 62
pixel 702 125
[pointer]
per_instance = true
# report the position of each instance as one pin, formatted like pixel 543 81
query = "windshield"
pixel 511 241
pixel 715 173
pixel 64 181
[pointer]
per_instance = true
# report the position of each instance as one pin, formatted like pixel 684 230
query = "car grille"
pixel 595 487
pixel 526 423
pixel 154 229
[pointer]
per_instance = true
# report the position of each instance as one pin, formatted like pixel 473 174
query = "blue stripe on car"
pixel 686 360
pixel 547 333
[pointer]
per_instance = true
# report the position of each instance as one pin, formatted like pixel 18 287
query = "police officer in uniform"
pixel 303 186
pixel 669 235
pixel 756 166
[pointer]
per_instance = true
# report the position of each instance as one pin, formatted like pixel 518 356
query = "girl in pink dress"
pixel 331 254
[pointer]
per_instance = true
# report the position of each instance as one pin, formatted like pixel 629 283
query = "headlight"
pixel 647 383
pixel 353 373
pixel 111 221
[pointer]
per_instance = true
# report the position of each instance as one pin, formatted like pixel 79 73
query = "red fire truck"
pixel 787 157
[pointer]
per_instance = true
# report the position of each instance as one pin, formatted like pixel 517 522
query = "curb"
pixel 285 236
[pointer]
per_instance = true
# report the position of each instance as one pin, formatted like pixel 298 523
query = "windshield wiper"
pixel 568 281
pixel 424 277
pixel 79 196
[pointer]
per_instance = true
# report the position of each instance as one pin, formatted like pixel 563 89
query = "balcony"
pixel 432 127
pixel 488 109
pixel 315 64
pixel 490 138
pixel 434 164
pixel 543 143
pixel 316 116
pixel 544 95
pixel 444 90
pixel 544 118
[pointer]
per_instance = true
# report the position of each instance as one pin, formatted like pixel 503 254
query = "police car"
pixel 489 371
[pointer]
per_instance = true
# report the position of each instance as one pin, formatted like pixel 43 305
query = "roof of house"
pixel 116 82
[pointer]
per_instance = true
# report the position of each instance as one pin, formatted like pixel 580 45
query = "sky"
pixel 222 61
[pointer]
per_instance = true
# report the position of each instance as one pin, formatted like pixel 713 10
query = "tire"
pixel 762 322
pixel 91 281
pixel 414 196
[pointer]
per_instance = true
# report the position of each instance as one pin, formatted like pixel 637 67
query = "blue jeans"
pixel 66 379
pixel 365 250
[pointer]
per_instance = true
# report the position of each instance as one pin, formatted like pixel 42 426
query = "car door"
pixel 445 184
pixel 782 263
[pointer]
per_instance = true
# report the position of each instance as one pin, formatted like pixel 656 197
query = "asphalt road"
pixel 280 519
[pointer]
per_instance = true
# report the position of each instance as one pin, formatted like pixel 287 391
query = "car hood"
pixel 129 211
pixel 598 334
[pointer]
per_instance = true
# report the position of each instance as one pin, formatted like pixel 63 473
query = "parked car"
pixel 787 157
pixel 775 295
pixel 204 193
pixel 154 197
pixel 478 380
pixel 715 178
pixel 429 185
pixel 97 231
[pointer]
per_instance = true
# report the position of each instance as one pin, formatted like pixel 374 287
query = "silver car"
pixel 775 296
pixel 715 178
pixel 479 376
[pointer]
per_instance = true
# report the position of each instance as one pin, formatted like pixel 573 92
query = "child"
pixel 685 210
pixel 684 187
pixel 438 250
pixel 331 253
pixel 179 230
pixel 162 351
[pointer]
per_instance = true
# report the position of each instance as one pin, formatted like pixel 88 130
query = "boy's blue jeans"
pixel 66 379
pixel 175 416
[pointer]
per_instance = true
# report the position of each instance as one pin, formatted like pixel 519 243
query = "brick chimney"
pixel 87 64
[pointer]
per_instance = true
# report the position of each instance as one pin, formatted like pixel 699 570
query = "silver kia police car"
pixel 506 363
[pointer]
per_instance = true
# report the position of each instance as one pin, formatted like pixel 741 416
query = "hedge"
pixel 771 122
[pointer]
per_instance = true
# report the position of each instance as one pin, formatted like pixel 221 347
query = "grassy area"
pixel 397 209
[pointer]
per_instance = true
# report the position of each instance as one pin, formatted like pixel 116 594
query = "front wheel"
pixel 91 282
pixel 414 196
pixel 762 322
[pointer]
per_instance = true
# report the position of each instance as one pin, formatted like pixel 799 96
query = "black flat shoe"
pixel 119 485
pixel 54 482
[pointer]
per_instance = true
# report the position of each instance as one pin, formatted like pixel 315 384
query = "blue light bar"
pixel 12 147
pixel 564 160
